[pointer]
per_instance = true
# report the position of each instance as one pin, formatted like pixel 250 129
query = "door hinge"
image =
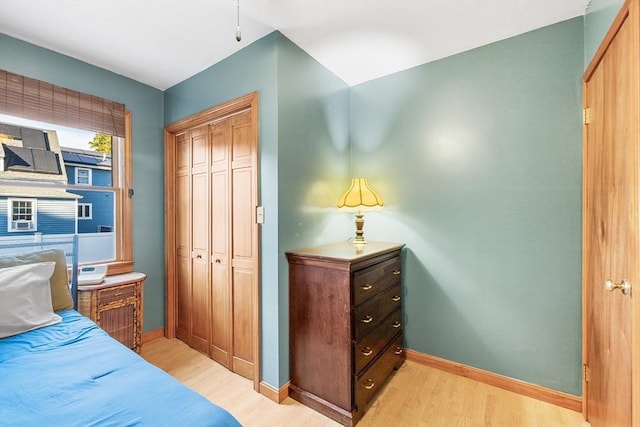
pixel 586 374
pixel 586 116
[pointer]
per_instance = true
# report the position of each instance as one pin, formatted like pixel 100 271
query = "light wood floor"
pixel 416 396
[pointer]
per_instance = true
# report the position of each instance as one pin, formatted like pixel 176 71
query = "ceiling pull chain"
pixel 238 34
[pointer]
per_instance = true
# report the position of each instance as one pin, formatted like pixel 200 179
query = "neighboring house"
pixel 91 168
pixel 33 156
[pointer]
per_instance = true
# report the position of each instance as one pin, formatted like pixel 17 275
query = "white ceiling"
pixel 163 42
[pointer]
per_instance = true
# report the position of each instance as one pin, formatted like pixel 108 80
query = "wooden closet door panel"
pixel 242 265
pixel 200 149
pixel 243 147
pixel 200 265
pixel 200 289
pixel 183 237
pixel 243 232
pixel 242 322
pixel 243 217
pixel 183 153
pixel 220 286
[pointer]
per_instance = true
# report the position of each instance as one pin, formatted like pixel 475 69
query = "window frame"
pixel 89 206
pixel 122 187
pixel 34 214
pixel 89 177
pixel 42 101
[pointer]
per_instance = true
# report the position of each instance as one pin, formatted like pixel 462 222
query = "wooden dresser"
pixel 345 330
pixel 116 306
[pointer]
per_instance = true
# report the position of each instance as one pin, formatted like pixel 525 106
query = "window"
pixel 85 211
pixel 22 215
pixel 83 176
pixel 56 107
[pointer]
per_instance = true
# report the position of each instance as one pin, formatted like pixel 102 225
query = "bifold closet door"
pixel 211 195
pixel 192 188
pixel 220 136
pixel 183 236
pixel 232 225
pixel 244 236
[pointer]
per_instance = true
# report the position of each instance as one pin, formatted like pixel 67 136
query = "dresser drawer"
pixel 116 293
pixel 368 348
pixel 373 311
pixel 369 282
pixel 370 381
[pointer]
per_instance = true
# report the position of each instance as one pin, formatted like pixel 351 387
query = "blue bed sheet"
pixel 74 374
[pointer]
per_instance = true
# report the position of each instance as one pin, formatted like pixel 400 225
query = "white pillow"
pixel 25 298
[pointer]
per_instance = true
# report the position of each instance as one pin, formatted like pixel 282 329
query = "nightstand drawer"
pixel 368 348
pixel 370 381
pixel 368 283
pixel 117 293
pixel 372 312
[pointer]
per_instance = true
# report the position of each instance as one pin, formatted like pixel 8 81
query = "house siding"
pixel 54 216
pixel 102 210
pixel 103 204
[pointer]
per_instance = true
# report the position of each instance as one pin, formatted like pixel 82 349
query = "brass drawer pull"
pixel 396 324
pixel 398 350
pixel 367 319
pixel 370 384
pixel 366 287
pixel 367 351
pixel 396 272
pixel 395 298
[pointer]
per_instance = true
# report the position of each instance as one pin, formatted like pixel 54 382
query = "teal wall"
pixel 600 14
pixel 478 157
pixel 313 165
pixel 303 112
pixel 146 105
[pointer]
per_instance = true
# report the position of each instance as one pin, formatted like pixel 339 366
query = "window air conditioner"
pixel 22 225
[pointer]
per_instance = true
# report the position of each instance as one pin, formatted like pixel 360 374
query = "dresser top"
pixel 115 280
pixel 346 251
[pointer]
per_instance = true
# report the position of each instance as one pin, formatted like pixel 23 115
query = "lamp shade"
pixel 360 196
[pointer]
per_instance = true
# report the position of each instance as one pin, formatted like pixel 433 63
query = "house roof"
pixel 36 192
pixel 30 154
pixel 89 158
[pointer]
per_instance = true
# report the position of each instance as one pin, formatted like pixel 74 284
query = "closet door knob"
pixel 624 286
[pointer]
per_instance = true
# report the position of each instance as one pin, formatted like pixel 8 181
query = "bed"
pixel 58 368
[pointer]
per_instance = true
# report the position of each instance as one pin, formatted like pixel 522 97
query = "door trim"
pixel 227 109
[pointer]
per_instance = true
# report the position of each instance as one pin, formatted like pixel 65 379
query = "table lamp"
pixel 360 197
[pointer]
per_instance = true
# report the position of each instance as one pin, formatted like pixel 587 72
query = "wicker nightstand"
pixel 116 306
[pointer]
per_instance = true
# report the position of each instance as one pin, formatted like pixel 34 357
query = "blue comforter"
pixel 74 374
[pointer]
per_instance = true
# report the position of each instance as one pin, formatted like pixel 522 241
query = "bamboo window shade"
pixel 34 99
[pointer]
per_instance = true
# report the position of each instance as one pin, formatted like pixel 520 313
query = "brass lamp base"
pixel 359 239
